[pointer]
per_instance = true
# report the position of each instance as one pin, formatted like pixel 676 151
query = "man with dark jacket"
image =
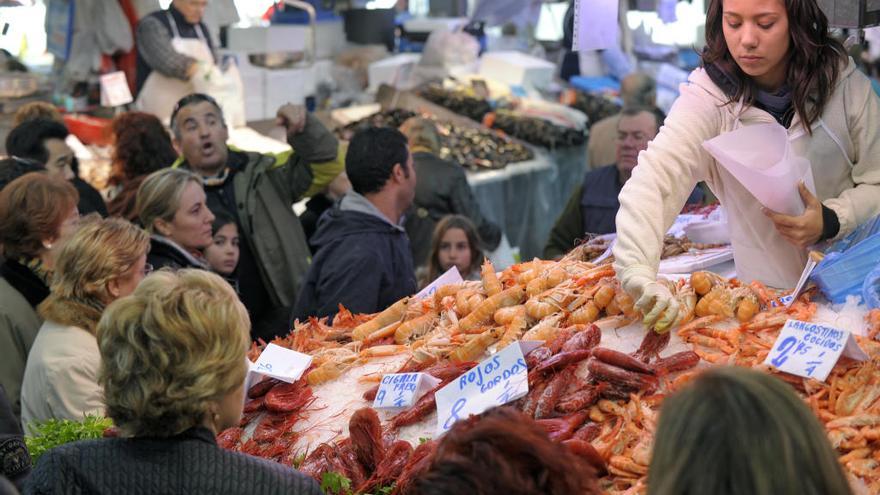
pixel 258 191
pixel 362 258
pixel 593 205
pixel 41 142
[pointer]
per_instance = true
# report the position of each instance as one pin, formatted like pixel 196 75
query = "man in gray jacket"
pixel 258 191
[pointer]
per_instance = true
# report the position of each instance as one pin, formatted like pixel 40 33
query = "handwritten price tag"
pixel 114 90
pixel 497 380
pixel 810 350
pixel 399 390
pixel 281 363
pixel 450 277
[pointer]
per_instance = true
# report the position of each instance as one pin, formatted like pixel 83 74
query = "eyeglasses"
pixel 148 269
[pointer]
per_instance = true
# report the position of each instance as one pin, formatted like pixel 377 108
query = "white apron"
pixel 760 252
pixel 160 93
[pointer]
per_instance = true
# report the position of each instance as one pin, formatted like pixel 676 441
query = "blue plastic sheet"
pixel 847 262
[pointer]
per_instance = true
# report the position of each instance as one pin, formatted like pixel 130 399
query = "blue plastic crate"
pixel 595 84
pixel 848 262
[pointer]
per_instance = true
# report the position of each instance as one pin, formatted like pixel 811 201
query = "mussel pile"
pixel 594 106
pixel 457 101
pixel 480 148
pixel 537 131
pixel 473 148
pixel 388 118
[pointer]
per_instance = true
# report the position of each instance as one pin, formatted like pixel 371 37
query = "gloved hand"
pixel 655 301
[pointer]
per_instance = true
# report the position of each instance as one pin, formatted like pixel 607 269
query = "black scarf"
pixel 25 281
pixel 777 104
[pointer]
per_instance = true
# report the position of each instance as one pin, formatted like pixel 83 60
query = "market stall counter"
pixel 596 380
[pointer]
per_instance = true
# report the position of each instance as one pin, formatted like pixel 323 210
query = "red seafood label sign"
pixel 497 380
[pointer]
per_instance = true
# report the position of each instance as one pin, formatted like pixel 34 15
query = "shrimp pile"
pixel 600 403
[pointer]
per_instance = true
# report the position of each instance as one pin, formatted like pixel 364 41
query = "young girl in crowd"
pixel 222 254
pixel 455 243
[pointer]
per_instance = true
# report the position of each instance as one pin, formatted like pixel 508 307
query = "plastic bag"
pixel 871 288
pixel 760 157
pixel 448 49
pixel 227 88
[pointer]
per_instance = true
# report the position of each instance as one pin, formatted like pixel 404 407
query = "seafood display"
pixel 532 130
pixel 589 391
pixel 594 247
pixel 596 107
pixel 474 148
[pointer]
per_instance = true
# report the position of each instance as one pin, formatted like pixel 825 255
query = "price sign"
pixel 811 350
pixel 114 90
pixel 399 390
pixel 497 380
pixel 283 364
pixel 595 24
pixel 450 277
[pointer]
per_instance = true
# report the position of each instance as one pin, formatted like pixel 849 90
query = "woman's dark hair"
pixel 221 219
pixel 736 430
pixel 814 59
pixel 141 146
pixel 372 154
pixel 27 139
pixel 470 231
pixel 503 452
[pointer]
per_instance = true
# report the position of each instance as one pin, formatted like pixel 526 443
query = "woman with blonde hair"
pixel 736 431
pixel 171 205
pixel 103 261
pixel 173 374
pixel 37 215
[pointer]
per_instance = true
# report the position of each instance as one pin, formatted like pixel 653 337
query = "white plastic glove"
pixel 655 301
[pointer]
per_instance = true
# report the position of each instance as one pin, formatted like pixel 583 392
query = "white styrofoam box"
pixel 329 38
pixel 430 24
pixel 268 39
pixel 288 86
pixel 254 84
pixel 517 68
pixel 394 71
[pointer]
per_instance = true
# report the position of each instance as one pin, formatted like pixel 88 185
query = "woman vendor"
pixel 765 61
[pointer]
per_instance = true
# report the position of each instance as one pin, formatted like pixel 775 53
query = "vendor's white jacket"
pixel 61 376
pixel 844 151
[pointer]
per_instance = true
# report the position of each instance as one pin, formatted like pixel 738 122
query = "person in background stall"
pixel 173 365
pixel 593 205
pixel 442 189
pixel 735 430
pixel 503 451
pixel 636 90
pixel 455 243
pixel 223 253
pixel 765 62
pixel 41 141
pixel 103 261
pixel 258 191
pixel 173 47
pixel 141 146
pixel 171 206
pixel 363 259
pixel 38 215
